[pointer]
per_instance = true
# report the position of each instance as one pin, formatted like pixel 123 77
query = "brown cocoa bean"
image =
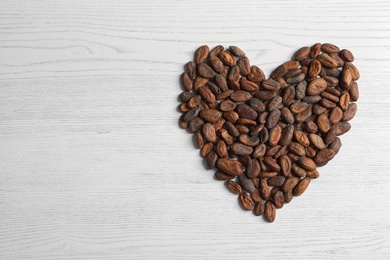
pixel 211 159
pixel 301 187
pixel 221 149
pixel 234 187
pixel 246 201
pixel 201 54
pixel 349 113
pixel 270 212
pixel 222 176
pixel 302 53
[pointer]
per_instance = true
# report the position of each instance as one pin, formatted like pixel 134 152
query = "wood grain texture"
pixel 94 166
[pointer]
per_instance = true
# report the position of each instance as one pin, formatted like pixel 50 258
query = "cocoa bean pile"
pixel 267 137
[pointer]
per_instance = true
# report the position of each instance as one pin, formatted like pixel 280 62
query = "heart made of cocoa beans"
pixel 266 137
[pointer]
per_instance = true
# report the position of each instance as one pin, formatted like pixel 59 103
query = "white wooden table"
pixel 94 166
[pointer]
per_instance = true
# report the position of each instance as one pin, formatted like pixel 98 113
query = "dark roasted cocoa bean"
pixel 259 208
pixel 195 124
pixel 273 118
pixel 302 53
pixel 246 183
pixel 330 136
pixel 211 159
pixel 214 88
pixel 186 96
pixel 253 169
pixel 335 145
pixel 296 79
pixel 349 113
pixel 346 55
pixel 241 149
pixel 298 171
pixel 311 99
pixel 287 135
pixel 245 111
pixel 279 72
pixel 323 156
pixel 342 128
pixel 300 90
pixel 270 84
pixel 271 164
pixel 288 196
pixel 205 71
pixel 244 65
pixel 216 50
pixel 256 130
pixel 265 94
pixel 216 63
pixel 274 103
pixel 286 115
pixel 276 181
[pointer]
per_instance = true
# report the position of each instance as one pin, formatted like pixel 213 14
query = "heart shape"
pixel 261 133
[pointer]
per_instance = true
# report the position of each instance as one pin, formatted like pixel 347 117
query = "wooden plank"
pixel 94 166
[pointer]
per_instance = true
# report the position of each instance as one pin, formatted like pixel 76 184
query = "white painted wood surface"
pixel 94 166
